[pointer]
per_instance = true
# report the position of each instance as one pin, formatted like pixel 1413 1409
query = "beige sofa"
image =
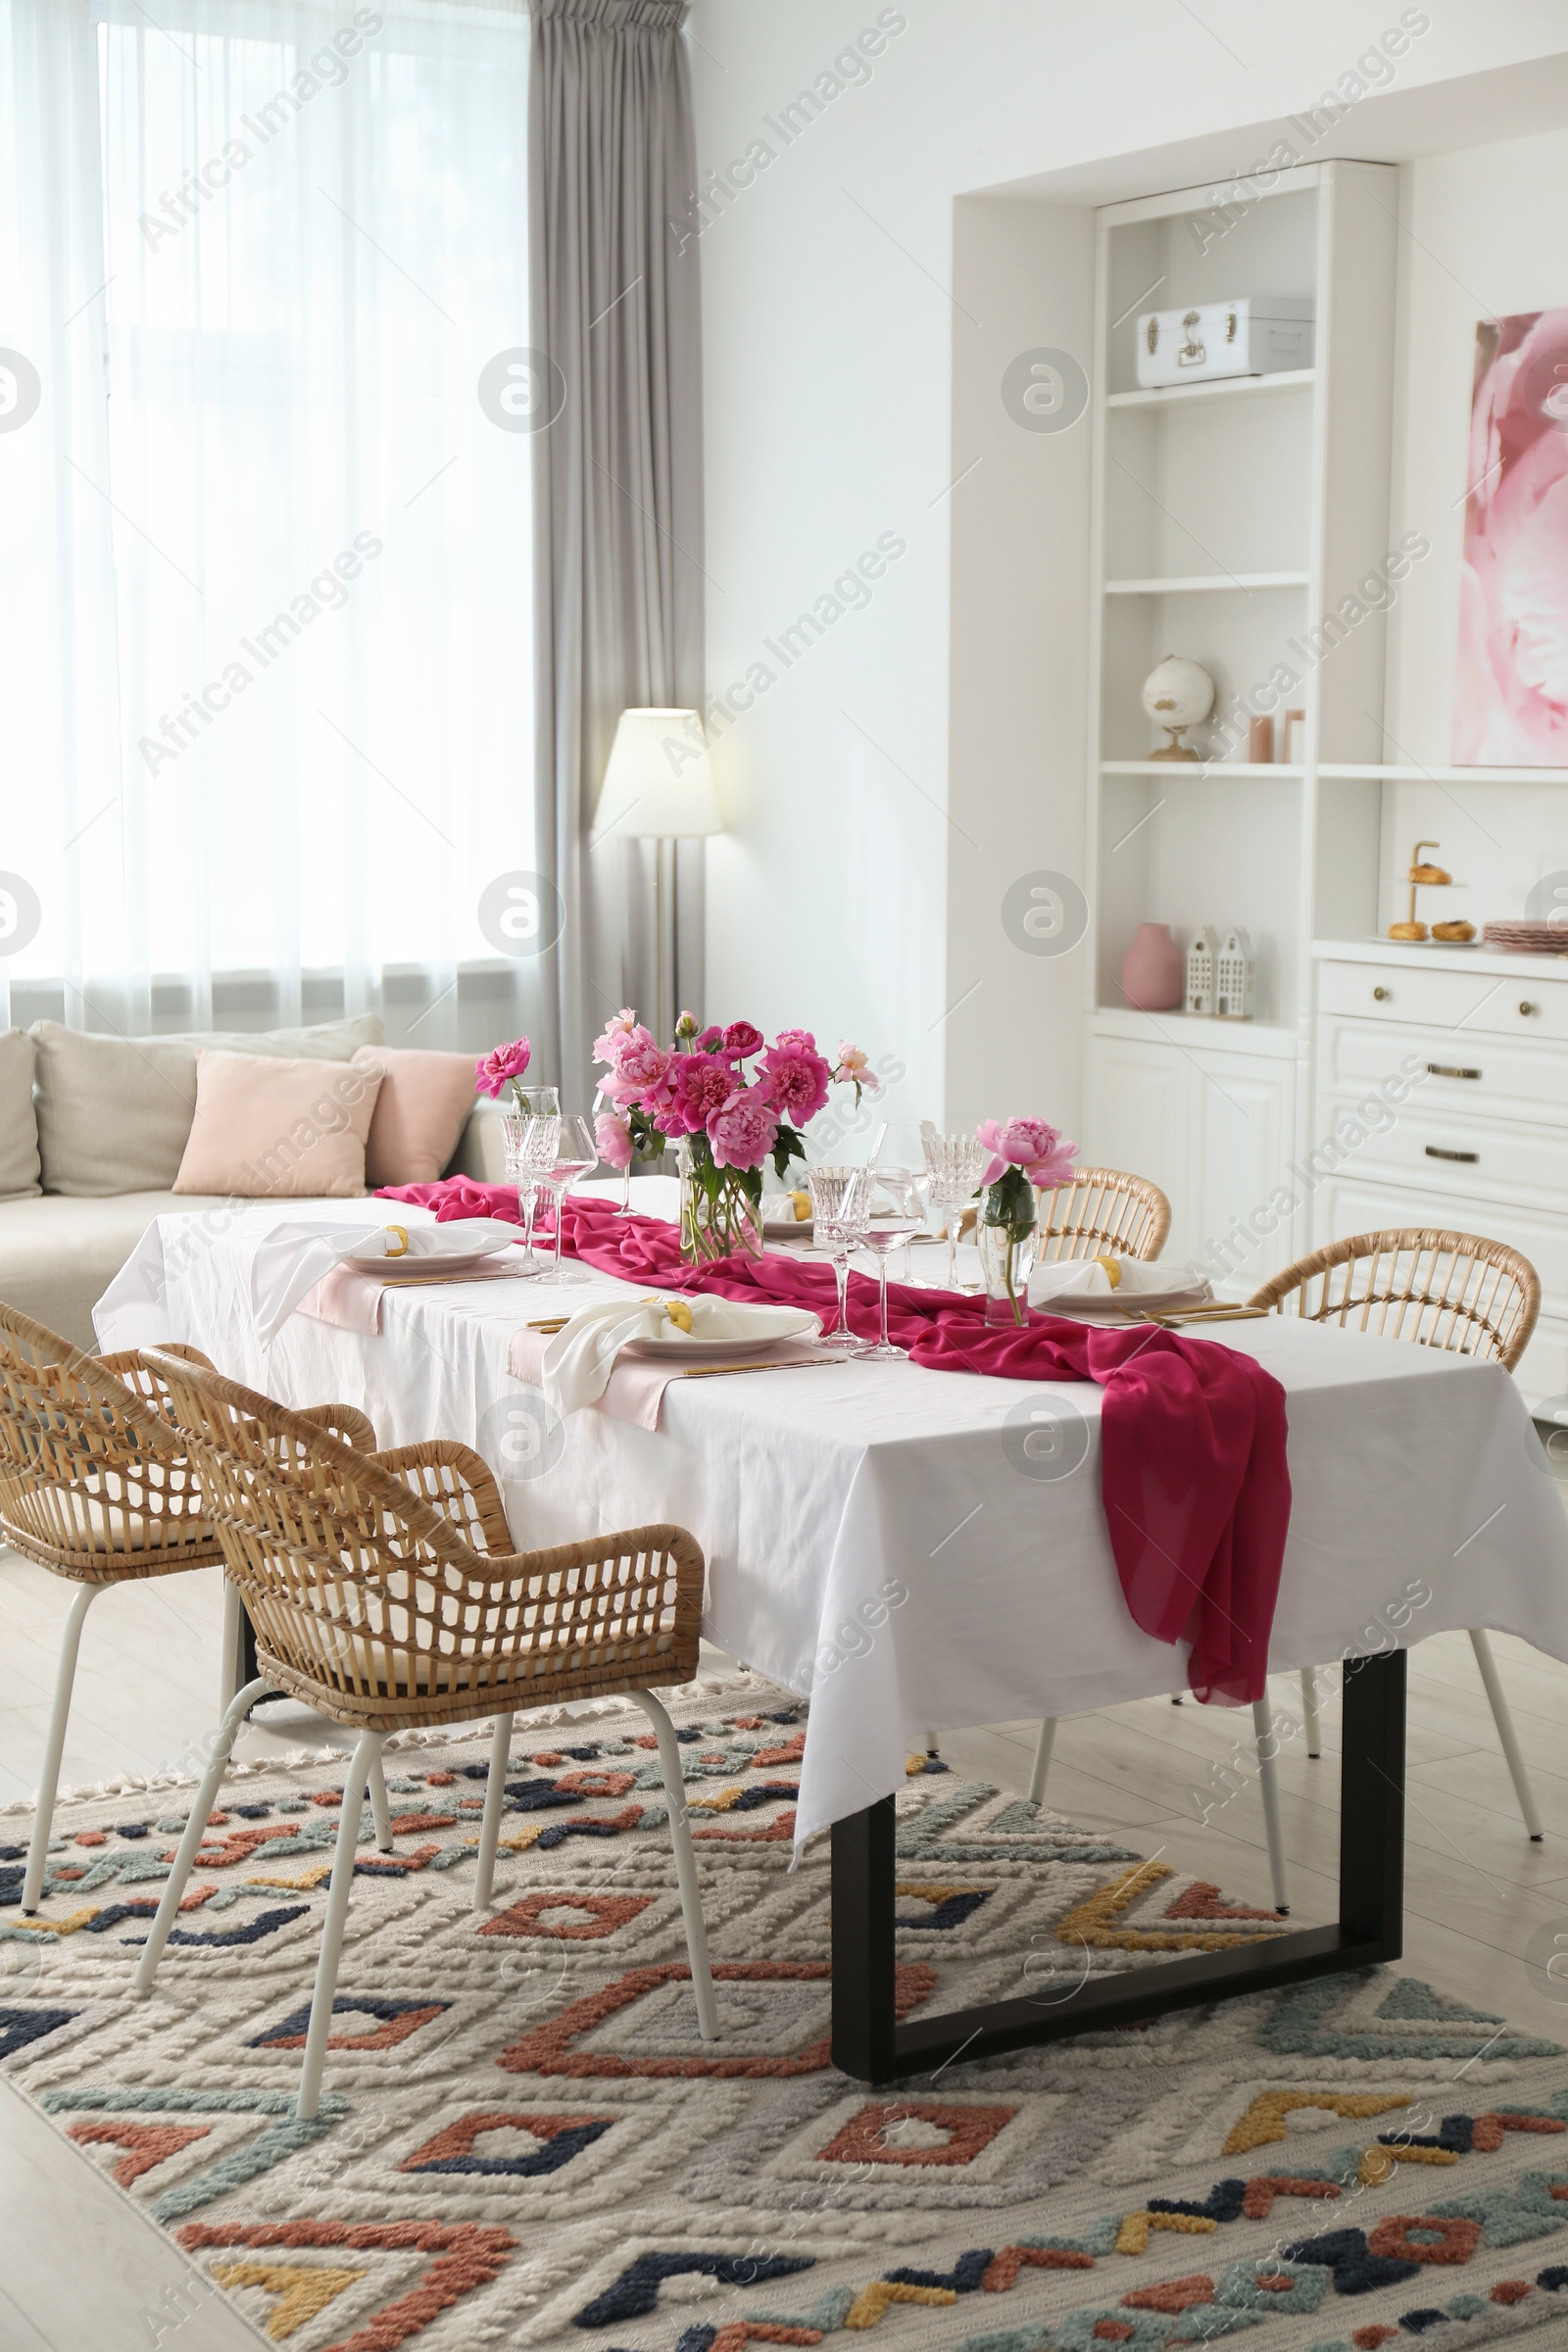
pixel 92 1131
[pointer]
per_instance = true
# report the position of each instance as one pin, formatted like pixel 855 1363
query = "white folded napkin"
pixel 579 1359
pixel 1089 1278
pixel 291 1259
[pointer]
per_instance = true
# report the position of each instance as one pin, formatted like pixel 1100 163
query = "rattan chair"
pixel 385 1592
pixel 1454 1292
pixel 95 1486
pixel 1102 1210
pixel 1450 1290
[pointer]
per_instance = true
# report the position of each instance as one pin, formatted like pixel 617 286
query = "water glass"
pixel 952 1165
pixel 537 1157
pixel 841 1213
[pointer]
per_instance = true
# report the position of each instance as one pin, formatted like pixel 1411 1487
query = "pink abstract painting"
pixel 1511 694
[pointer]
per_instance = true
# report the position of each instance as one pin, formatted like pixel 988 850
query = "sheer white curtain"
pixel 313 241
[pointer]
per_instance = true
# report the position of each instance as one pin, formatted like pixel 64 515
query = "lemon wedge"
pixel 1113 1266
pixel 400 1235
pixel 679 1313
pixel 803 1206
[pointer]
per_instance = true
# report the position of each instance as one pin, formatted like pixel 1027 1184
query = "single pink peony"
pixel 498 1067
pixel 613 1138
pixel 797 1078
pixel 795 1041
pixel 699 1085
pixel 742 1039
pixel 641 1071
pixel 743 1133
pixel 1028 1144
pixel 710 1039
pixel 610 1043
pixel 854 1068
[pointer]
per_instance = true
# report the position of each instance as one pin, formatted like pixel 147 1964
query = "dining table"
pixel 907 1548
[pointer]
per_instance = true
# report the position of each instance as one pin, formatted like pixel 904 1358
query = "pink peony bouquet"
pixel 729 1097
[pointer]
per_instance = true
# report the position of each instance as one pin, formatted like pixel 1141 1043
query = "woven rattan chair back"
pixel 383 1592
pixel 1451 1291
pixel 94 1482
pixel 1104 1211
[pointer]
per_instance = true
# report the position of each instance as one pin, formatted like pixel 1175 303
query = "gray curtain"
pixel 617 496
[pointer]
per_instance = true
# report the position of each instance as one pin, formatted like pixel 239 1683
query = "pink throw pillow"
pixel 421 1112
pixel 287 1130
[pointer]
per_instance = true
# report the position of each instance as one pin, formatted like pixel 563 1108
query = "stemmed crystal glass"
pixel 896 1199
pixel 954 1163
pixel 841 1213
pixel 575 1154
pixel 536 1157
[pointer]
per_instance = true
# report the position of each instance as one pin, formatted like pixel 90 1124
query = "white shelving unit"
pixel 1228 520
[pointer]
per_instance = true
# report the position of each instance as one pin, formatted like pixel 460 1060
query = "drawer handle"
pixel 1443 1070
pixel 1380 996
pixel 1526 1009
pixel 1435 1151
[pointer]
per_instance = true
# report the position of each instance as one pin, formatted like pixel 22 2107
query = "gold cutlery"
pixel 1209 1314
pixel 794 1364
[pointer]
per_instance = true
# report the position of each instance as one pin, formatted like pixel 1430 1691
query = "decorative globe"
pixel 1178 693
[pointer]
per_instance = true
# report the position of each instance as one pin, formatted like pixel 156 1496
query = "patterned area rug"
pixel 523 2141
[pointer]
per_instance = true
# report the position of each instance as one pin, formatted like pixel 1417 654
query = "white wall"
pixel 1486 241
pixel 832 323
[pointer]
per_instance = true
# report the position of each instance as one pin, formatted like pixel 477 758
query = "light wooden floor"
pixel 1476 1888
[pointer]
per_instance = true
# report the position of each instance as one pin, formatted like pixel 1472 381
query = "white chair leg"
pixel 55 1746
pixel 367 1754
pixel 1268 1753
pixel 230 1658
pixel 680 1832
pixel 380 1809
pixel 1037 1781
pixel 1315 1737
pixel 195 1829
pixel 1513 1753
pixel 495 1801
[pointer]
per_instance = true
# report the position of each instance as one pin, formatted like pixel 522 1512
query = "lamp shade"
pixel 658 785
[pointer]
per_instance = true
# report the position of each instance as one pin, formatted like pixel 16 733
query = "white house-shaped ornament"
pixel 1201 958
pixel 1233 977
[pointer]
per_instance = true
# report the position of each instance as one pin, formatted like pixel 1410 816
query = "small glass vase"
pixel 720 1216
pixel 1007 1239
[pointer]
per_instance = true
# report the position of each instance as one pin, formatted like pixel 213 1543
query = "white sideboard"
pixel 1441 1086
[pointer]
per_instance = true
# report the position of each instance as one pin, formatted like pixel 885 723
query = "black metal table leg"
pixel 869 2044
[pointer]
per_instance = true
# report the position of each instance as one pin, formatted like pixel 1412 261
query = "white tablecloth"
pixel 917 1548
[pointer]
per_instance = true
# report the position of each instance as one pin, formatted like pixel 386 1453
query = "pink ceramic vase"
pixel 1152 975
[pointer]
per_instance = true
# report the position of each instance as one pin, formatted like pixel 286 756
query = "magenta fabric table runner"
pixel 1194 1480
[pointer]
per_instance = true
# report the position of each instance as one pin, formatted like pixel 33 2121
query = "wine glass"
pixel 897 1199
pixel 536 1157
pixel 954 1163
pixel 575 1154
pixel 841 1211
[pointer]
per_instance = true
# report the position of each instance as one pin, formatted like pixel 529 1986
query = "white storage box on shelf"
pixel 1257 334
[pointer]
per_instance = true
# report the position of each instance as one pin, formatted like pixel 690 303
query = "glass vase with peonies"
pixel 1024 1158
pixel 730 1103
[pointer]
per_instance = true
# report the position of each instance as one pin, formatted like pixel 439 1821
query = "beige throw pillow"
pixel 19 1127
pixel 267 1129
pixel 114 1113
pixel 421 1112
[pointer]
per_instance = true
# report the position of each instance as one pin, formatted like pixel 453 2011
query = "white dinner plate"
pixel 440 1248
pixel 720 1351
pixel 787 1229
pixel 1120 1305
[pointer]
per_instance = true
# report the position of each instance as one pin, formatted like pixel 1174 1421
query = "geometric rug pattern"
pixel 525 2143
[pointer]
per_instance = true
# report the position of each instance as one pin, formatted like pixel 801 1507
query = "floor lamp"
pixel 659 787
